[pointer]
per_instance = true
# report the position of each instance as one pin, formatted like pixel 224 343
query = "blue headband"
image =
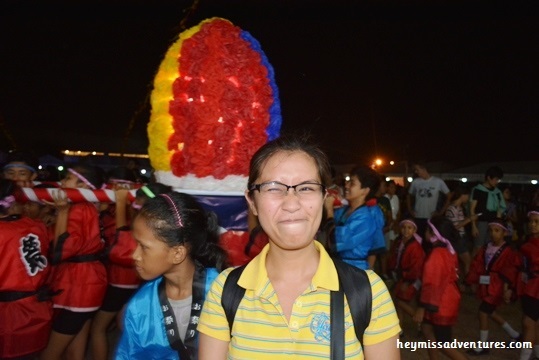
pixel 24 166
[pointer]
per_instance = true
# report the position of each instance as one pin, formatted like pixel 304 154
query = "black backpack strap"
pixel 336 350
pixel 232 295
pixel 357 287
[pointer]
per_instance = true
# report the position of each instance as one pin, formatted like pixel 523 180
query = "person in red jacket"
pixel 79 274
pixel 406 265
pixel 25 314
pixel 530 285
pixel 493 273
pixel 123 280
pixel 439 300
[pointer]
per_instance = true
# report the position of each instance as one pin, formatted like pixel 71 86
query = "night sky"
pixel 454 82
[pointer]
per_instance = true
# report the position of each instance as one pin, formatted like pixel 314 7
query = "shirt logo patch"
pixel 320 327
pixel 31 256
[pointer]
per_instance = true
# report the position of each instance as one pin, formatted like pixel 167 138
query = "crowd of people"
pixel 154 268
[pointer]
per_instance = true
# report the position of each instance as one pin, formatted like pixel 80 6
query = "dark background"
pixel 438 81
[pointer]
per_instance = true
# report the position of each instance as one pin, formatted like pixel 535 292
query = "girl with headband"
pixel 439 300
pixel 529 285
pixel 25 316
pixel 80 277
pixel 493 273
pixel 123 279
pixel 178 255
pixel 406 265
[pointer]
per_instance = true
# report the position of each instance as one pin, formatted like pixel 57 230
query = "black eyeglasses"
pixel 278 190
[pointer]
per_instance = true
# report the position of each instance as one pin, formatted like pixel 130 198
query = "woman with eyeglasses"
pixel 285 310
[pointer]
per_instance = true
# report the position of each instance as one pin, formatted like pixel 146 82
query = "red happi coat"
pixel 440 295
pixel 529 281
pixel 242 246
pixel 502 269
pixel 107 223
pixel 82 283
pixel 24 320
pixel 408 269
pixel 121 267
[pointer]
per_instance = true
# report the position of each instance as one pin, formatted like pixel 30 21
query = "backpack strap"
pixel 232 295
pixel 357 287
pixel 336 306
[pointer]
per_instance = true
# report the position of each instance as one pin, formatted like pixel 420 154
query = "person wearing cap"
pixel 493 273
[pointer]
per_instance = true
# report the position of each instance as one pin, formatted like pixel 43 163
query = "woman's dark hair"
pixel 459 191
pixel 178 219
pixel 446 228
pixel 95 175
pixel 23 157
pixel 7 188
pixel 290 144
pixel 156 188
pixel 368 178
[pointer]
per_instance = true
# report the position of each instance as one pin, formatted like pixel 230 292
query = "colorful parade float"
pixel 214 103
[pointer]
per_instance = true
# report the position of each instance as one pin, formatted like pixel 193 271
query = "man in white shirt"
pixel 423 197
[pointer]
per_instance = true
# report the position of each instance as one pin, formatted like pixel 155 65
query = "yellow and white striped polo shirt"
pixel 261 331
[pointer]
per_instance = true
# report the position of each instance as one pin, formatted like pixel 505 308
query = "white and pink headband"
pixel 499 225
pixel 7 201
pixel 533 212
pixel 82 178
pixel 416 235
pixel 438 237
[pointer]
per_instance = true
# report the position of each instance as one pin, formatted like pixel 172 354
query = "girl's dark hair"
pixel 120 173
pixel 156 188
pixel 290 144
pixel 446 228
pixel 459 191
pixel 7 188
pixel 178 219
pixel 368 178
pixel 95 175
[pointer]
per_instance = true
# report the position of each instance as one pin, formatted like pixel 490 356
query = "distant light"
pixel 60 168
pixel 143 171
pixel 391 162
pixel 410 179
pixel 388 178
pixel 40 167
pixel 464 180
pixel 66 152
pixel 534 182
pixel 347 178
pixel 378 162
pixel 94 152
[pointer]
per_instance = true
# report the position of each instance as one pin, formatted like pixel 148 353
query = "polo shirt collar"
pixel 255 275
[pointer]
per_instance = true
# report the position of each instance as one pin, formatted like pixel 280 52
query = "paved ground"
pixel 467 329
